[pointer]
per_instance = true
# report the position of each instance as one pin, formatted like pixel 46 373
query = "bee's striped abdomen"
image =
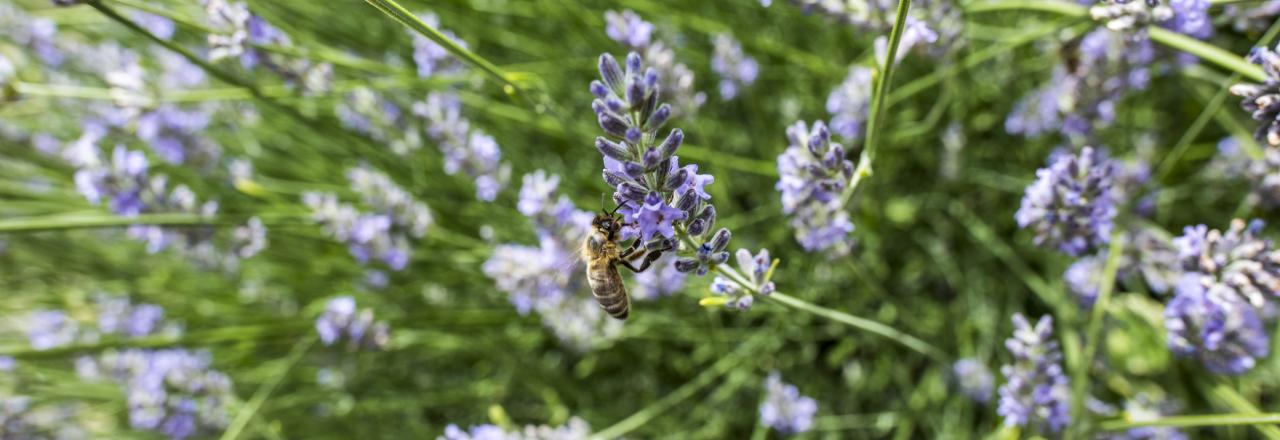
pixel 606 286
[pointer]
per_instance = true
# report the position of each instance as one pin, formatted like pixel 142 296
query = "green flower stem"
pixel 1194 421
pixel 107 220
pixel 860 323
pixel 1080 375
pixel 168 13
pixel 1061 7
pixel 1184 143
pixel 735 358
pixel 1225 395
pixel 879 98
pixel 230 93
pixel 406 18
pixel 250 408
pixel 1206 51
pixel 881 422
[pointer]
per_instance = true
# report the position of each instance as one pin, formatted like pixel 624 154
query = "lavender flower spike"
pixel 974 379
pixel 341 321
pixel 1262 101
pixel 658 199
pixel 1035 394
pixel 756 269
pixel 735 68
pixel 812 175
pixel 1227 281
pixel 1070 205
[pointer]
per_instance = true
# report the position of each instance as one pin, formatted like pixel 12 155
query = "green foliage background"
pixel 937 255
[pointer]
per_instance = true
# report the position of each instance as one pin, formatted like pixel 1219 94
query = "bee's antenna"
pixel 616 208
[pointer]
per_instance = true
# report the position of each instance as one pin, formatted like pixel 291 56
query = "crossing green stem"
pixel 879 102
pixel 398 13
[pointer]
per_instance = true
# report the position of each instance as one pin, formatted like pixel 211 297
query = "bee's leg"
pixel 648 259
pixel 632 251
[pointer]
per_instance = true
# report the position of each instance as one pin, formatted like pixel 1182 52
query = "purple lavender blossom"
pixel 1083 279
pixel 250 239
pixel 175 135
pixel 636 34
pixel 1070 206
pixel 37 34
pixel 342 322
pixel 813 175
pixel 974 379
pixel 174 392
pixel 1227 281
pixel 369 113
pixel 48 329
pixel 1251 18
pixel 849 104
pixel 116 315
pixel 1035 395
pixel 159 26
pixel 784 409
pixel 120 183
pixel 465 149
pixel 1240 259
pixel 574 429
pixel 240 33
pixel 756 270
pixel 1130 16
pixel 628 28
pixel 1211 322
pixel 657 198
pixel 543 278
pixel 915 34
pixel 384 232
pixel 1190 17
pixel 735 69
pixel 1262 101
pixel 433 59
pixel 1082 96
pixel 231 20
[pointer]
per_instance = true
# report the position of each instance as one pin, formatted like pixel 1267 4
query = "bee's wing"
pixel 576 263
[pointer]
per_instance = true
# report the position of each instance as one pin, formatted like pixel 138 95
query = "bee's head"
pixel 606 222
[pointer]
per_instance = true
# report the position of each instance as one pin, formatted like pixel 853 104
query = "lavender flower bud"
pixel 720 241
pixel 687 202
pixel 652 159
pixel 697 227
pixel 633 62
pixel 599 89
pixel 686 264
pixel 633 136
pixel 632 191
pixel 614 124
pixel 611 72
pixel 673 141
pixel 658 118
pixel 674 180
pixel 633 169
pixel 612 149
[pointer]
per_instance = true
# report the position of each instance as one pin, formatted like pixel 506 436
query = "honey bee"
pixel 602 253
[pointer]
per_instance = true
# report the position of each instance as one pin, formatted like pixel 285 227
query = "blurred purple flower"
pixel 1035 395
pixel 784 409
